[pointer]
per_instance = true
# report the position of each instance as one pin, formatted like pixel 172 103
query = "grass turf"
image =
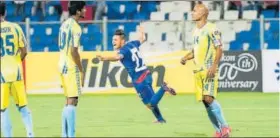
pixel 249 114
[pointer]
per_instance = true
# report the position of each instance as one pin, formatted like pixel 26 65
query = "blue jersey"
pixel 132 59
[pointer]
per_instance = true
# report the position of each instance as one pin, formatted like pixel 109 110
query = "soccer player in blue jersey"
pixel 70 67
pixel 129 55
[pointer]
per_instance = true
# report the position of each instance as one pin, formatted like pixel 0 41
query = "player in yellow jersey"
pixel 70 67
pixel 206 54
pixel 13 51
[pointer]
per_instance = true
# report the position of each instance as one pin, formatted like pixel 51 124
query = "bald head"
pixel 200 12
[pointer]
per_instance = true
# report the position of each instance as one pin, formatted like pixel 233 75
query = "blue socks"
pixel 6 126
pixel 213 120
pixel 68 121
pixel 27 120
pixel 6 123
pixel 216 109
pixel 154 102
pixel 157 97
pixel 152 99
pixel 157 113
pixel 64 123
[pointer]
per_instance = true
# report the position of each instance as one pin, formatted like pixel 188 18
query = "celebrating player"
pixel 13 52
pixel 129 55
pixel 206 53
pixel 71 70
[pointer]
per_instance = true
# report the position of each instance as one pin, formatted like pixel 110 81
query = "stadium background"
pixel 250 34
pixel 246 26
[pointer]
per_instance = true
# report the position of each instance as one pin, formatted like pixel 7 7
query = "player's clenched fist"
pixel 188 56
pixel 183 61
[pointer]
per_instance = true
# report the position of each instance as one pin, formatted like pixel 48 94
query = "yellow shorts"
pixel 17 90
pixel 205 86
pixel 71 83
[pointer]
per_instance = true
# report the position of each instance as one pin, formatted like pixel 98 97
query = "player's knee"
pixel 72 101
pixel 149 106
pixel 19 107
pixel 3 110
pixel 207 99
pixel 205 103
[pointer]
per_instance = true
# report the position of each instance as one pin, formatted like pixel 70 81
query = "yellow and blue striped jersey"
pixel 205 40
pixel 12 38
pixel 69 37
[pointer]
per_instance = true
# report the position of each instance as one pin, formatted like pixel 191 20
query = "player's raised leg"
pixel 146 94
pixel 159 94
pixel 6 126
pixel 18 92
pixel 145 91
pixel 157 97
pixel 150 98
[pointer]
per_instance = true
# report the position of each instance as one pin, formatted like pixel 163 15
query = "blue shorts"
pixel 144 89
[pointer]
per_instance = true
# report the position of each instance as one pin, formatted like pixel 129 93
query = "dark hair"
pixel 2 8
pixel 75 6
pixel 120 33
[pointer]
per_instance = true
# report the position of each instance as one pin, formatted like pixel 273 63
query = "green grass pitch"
pixel 124 115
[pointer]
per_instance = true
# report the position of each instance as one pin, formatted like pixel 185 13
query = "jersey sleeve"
pixel 215 36
pixel 21 37
pixel 76 35
pixel 122 52
pixel 137 43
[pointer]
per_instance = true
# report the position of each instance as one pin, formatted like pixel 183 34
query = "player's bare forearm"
pixel 23 53
pixel 219 53
pixel 76 57
pixel 212 70
pixel 109 58
pixel 188 56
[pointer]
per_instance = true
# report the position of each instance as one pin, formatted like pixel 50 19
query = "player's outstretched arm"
pixel 142 37
pixel 188 56
pixel 115 57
